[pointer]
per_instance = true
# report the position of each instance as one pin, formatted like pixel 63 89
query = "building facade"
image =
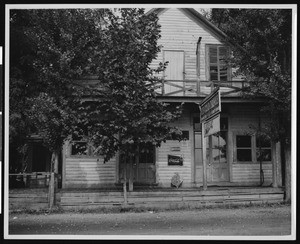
pixel 196 51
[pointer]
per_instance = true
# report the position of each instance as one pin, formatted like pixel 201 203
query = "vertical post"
pixel 198 66
pixel 56 171
pixel 125 181
pixel 51 190
pixel 204 157
pixel 130 181
pixel 278 164
pixel 274 165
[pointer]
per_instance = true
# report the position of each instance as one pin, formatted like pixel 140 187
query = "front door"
pixel 217 164
pixel 143 166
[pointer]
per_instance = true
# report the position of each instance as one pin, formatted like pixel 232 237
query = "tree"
pixel 51 49
pixel 48 50
pixel 264 59
pixel 128 115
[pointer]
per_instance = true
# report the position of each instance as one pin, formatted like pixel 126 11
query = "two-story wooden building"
pixel 195 50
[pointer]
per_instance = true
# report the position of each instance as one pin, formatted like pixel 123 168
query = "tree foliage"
pixel 263 58
pixel 51 49
pixel 48 49
pixel 128 113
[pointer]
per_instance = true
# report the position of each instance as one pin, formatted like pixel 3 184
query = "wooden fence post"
pixel 51 196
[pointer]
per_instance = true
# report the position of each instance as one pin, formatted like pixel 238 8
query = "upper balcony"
pixel 184 90
pixel 198 88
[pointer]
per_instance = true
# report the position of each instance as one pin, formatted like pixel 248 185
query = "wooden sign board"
pixel 212 126
pixel 175 160
pixel 210 106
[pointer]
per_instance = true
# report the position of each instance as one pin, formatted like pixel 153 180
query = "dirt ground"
pixel 242 221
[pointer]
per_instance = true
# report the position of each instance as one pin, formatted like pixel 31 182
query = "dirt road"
pixel 244 221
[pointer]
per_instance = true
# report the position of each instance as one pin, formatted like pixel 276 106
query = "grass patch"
pixel 142 209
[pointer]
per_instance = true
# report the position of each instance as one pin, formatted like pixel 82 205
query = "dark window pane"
pixel 213 76
pixel 244 155
pixel 79 148
pixel 213 54
pixel 196 119
pixel 263 155
pixel 146 153
pixel 224 123
pixel 263 142
pixel 223 51
pixel 185 135
pixel 243 141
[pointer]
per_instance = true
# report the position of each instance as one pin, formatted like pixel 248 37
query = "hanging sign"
pixel 210 106
pixel 212 125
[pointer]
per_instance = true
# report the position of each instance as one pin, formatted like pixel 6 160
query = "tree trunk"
pixel 130 183
pixel 53 184
pixel 125 181
pixel 287 155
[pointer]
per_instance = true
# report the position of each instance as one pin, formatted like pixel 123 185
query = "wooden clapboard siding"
pixel 89 172
pixel 165 172
pixel 179 32
pixel 251 173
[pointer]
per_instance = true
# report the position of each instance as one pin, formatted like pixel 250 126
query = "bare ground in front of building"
pixel 272 220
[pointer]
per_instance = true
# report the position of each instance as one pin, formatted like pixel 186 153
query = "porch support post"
pixel 204 158
pixel 274 165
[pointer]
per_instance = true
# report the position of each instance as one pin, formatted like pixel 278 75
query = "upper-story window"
pixel 217 67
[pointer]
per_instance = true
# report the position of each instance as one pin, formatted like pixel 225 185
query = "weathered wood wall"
pixel 241 117
pixel 87 172
pixel 165 172
pixel 179 32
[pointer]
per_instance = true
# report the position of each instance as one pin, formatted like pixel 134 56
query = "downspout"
pixel 198 65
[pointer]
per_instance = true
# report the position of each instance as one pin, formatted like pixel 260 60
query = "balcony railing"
pixel 196 88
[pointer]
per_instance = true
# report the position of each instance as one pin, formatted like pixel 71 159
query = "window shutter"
pixel 218 70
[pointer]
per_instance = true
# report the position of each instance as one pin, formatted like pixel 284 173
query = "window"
pixel 263 149
pixel 81 147
pixel 219 143
pixel 217 66
pixel 243 148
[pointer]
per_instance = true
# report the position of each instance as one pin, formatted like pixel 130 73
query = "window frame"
pixel 254 148
pixel 89 149
pixel 263 148
pixel 207 51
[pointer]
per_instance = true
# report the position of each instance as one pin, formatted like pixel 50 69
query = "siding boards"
pixel 184 36
pixel 89 172
pixel 250 173
pixel 165 172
